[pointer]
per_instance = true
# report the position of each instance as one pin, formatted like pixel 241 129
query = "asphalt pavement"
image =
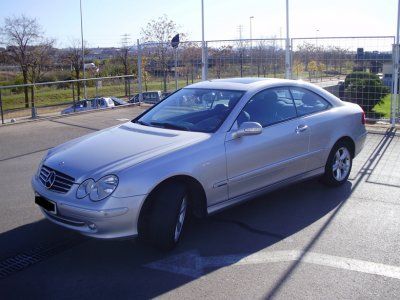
pixel 305 241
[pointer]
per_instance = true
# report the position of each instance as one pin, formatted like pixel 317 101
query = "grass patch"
pixel 383 107
pixel 46 96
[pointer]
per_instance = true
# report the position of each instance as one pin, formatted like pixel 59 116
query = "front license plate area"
pixel 48 205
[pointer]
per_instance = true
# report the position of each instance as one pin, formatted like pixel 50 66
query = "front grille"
pixel 62 182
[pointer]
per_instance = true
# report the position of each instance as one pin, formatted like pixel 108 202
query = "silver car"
pixel 206 147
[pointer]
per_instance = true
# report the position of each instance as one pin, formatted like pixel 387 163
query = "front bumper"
pixel 110 218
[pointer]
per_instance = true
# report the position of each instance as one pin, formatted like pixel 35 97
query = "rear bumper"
pixel 359 143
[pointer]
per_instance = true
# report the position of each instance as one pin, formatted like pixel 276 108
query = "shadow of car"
pixel 118 101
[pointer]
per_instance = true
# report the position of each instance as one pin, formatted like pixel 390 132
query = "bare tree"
pixel 220 58
pixel 40 58
pixel 160 31
pixel 20 34
pixel 73 56
pixel 191 53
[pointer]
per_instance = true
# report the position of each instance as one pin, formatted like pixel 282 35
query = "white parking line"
pixel 123 120
pixel 193 265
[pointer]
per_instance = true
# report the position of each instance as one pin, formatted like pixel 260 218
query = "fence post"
pixel 139 47
pixel 288 65
pixel 395 85
pixel 1 109
pixel 129 88
pixel 73 96
pixel 204 61
pixel 33 108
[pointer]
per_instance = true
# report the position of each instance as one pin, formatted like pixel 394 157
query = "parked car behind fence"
pixel 148 97
pixel 89 104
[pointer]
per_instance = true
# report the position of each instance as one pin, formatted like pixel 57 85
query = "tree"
pixel 160 31
pixel 321 67
pixel 298 67
pixel 73 57
pixel 365 89
pixel 312 67
pixel 190 57
pixel 40 57
pixel 219 57
pixel 20 34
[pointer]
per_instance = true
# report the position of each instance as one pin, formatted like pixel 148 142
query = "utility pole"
pixel 251 33
pixel 125 38
pixel 251 45
pixel 240 29
pixel 83 52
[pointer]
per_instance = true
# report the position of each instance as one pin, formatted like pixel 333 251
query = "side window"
pixel 269 107
pixel 308 102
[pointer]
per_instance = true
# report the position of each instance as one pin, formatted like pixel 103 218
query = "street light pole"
pixel 288 71
pixel 83 52
pixel 203 46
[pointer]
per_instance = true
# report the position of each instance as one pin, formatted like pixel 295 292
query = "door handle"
pixel 301 128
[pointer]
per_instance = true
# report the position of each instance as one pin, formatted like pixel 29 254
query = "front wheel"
pixel 164 221
pixel 338 166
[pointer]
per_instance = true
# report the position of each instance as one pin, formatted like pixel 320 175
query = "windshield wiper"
pixel 142 123
pixel 169 125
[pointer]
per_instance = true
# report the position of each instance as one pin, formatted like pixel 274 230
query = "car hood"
pixel 114 149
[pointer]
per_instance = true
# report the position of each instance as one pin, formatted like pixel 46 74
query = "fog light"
pixel 92 226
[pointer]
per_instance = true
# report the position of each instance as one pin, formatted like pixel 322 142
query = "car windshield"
pixel 202 110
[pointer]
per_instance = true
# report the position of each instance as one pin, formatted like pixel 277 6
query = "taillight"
pixel 363 118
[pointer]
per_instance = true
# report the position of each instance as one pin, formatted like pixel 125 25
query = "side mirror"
pixel 247 128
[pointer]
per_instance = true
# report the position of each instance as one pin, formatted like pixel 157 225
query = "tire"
pixel 163 223
pixel 338 165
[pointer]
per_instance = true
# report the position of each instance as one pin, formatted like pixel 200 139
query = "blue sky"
pixel 106 20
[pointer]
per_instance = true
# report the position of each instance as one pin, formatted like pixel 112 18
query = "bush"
pixel 365 89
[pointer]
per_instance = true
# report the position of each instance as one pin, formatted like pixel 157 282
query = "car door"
pixel 315 111
pixel 256 161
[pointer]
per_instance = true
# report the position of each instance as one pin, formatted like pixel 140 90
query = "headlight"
pixel 85 188
pixel 98 190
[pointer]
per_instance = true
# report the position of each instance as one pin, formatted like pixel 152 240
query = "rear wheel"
pixel 165 218
pixel 338 166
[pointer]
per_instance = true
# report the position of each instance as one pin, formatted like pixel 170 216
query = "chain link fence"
pixel 63 97
pixel 359 68
pixel 356 69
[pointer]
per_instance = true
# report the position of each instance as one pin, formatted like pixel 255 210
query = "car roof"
pixel 240 84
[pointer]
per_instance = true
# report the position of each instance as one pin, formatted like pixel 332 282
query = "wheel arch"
pixel 197 196
pixel 349 141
